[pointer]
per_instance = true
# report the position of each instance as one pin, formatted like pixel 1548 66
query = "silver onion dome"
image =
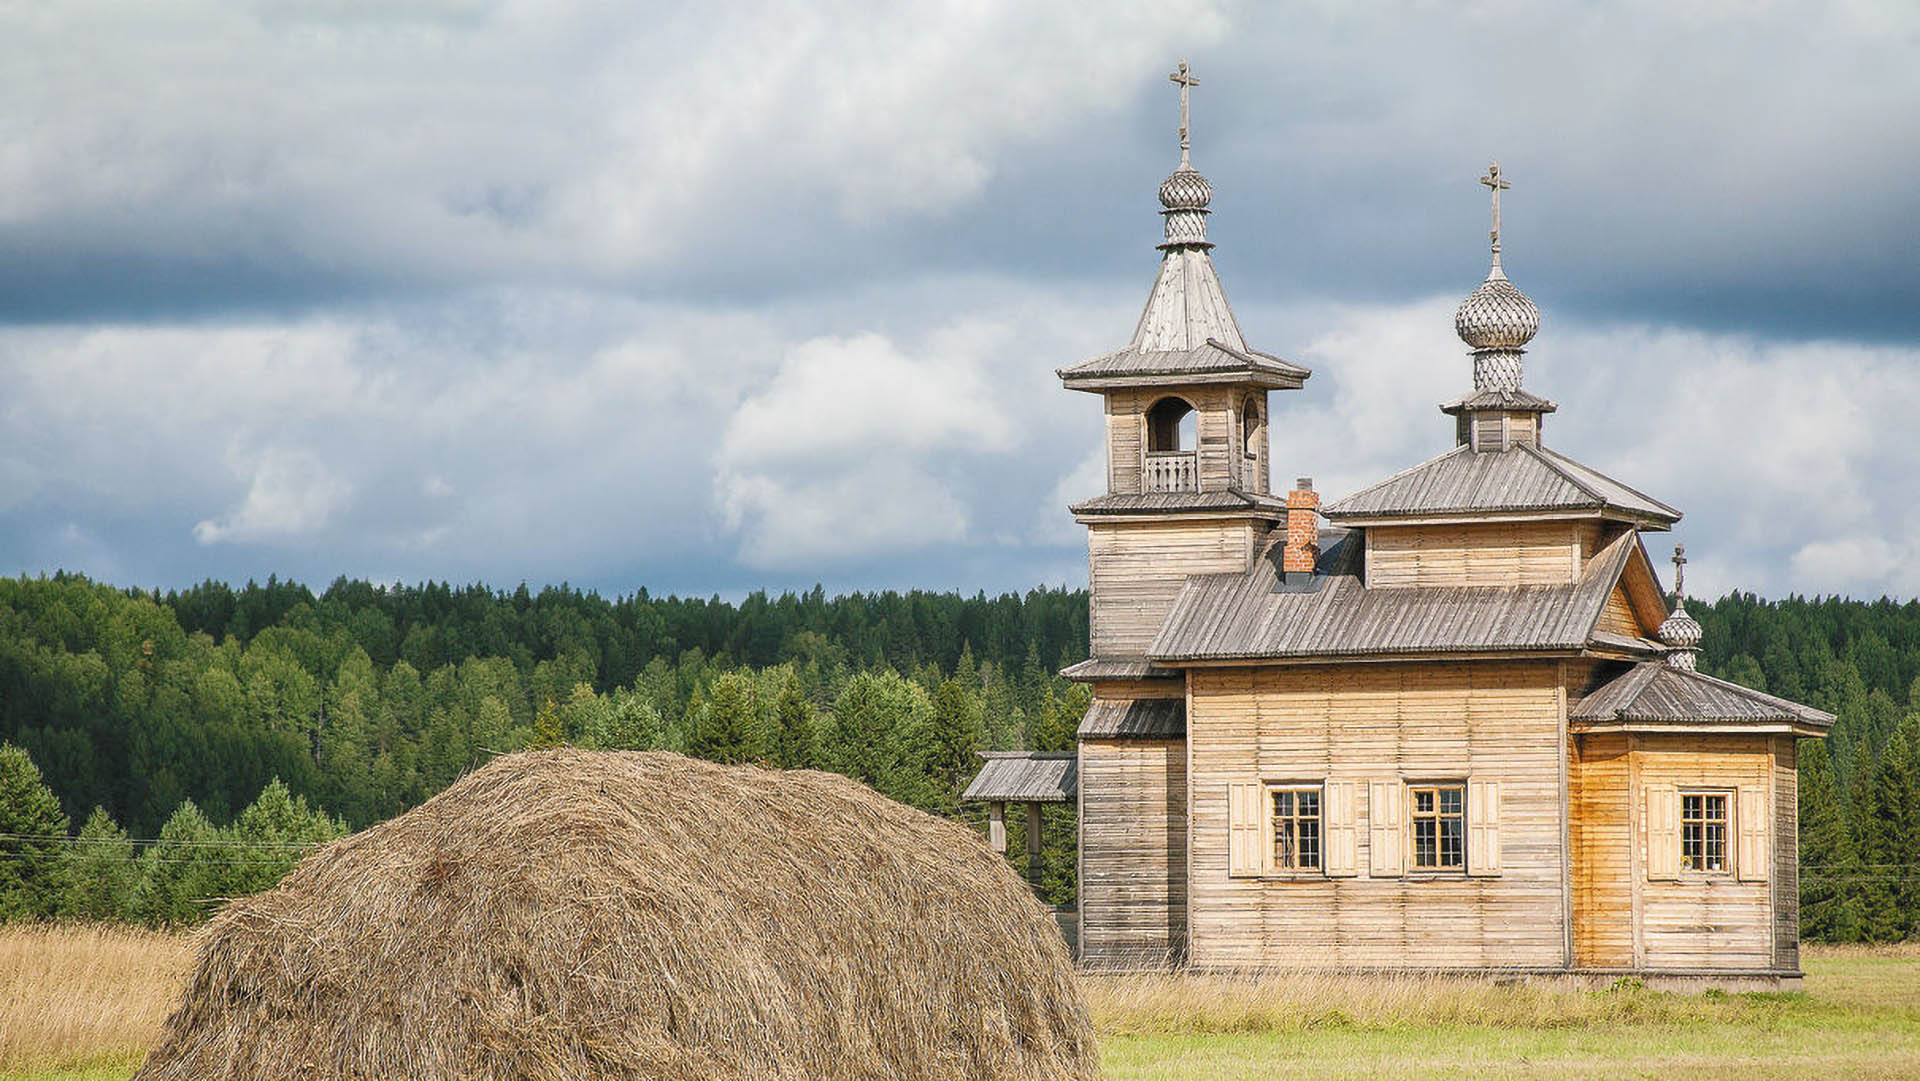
pixel 1681 634
pixel 1186 189
pixel 1497 316
pixel 1680 630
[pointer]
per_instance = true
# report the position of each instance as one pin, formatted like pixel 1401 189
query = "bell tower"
pixel 1188 433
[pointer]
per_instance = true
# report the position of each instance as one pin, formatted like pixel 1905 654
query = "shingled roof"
pixel 1231 499
pixel 1026 777
pixel 1519 479
pixel 1259 615
pixel 1655 694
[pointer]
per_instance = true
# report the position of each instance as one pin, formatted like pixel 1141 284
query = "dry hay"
pixel 581 915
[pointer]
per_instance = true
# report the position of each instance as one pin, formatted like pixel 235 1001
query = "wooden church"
pixel 1443 723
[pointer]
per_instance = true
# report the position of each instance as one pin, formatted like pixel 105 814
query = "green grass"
pixel 1858 1018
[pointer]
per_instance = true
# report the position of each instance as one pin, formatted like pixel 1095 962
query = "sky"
pixel 714 297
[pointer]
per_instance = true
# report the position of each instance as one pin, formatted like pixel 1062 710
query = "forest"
pixel 159 751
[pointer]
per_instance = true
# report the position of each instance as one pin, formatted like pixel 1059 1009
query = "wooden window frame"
pixel 1271 789
pixel 1414 817
pixel 1728 825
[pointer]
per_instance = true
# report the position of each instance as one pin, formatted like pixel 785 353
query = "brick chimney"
pixel 1303 528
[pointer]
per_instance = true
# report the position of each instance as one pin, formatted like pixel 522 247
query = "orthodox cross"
pixel 1679 572
pixel 1186 80
pixel 1494 181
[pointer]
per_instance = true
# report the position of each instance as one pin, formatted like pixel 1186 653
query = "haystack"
pixel 580 915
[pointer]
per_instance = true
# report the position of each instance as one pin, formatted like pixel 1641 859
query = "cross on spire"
pixel 1679 573
pixel 1496 183
pixel 1186 80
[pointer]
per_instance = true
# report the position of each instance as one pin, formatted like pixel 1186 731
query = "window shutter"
pixel 1750 862
pixel 1245 829
pixel 1386 847
pixel 1663 832
pixel 1483 827
pixel 1342 841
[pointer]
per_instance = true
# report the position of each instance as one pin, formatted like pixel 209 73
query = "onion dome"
pixel 1680 633
pixel 1186 189
pixel 1496 316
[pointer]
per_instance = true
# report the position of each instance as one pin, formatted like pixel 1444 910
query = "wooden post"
pixel 997 826
pixel 1033 844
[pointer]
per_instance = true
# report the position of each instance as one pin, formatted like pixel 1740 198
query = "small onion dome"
pixel 1681 631
pixel 1186 189
pixel 1495 316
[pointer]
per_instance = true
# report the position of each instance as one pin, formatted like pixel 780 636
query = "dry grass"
pixel 632 915
pixel 73 995
pixel 83 1003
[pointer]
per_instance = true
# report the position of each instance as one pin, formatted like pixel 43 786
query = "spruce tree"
pixel 180 875
pixel 724 729
pixel 795 745
pixel 98 875
pixel 548 731
pixel 1830 869
pixel 1888 828
pixel 33 836
pixel 957 733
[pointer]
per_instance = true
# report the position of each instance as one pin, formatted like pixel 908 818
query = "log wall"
pixel 1133 847
pixel 1474 554
pixel 1488 721
pixel 1704 921
pixel 1600 788
pixel 1137 568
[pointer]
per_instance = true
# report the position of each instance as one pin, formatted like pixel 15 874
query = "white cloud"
pixel 291 493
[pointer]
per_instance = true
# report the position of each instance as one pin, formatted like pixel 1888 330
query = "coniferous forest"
pixel 161 751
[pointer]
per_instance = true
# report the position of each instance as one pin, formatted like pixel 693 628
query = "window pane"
pixel 1452 847
pixel 1309 803
pixel 1425 843
pixel 1450 801
pixel 1423 799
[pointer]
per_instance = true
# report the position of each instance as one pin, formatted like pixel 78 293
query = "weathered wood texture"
pixel 1130 689
pixel 1219 413
pixel 1600 795
pixel 1380 726
pixel 1695 920
pixel 1618 617
pixel 1477 554
pixel 1133 838
pixel 1137 569
pixel 1786 853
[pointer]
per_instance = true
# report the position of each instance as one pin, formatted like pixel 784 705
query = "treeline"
pixel 140 708
pixel 137 703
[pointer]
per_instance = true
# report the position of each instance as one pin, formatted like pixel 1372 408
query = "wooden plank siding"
pixel 1126 438
pixel 1386 722
pixel 1137 569
pixel 1474 554
pixel 1618 617
pixel 1786 853
pixel 1704 921
pixel 1217 426
pixel 1602 829
pixel 1133 850
pixel 1130 689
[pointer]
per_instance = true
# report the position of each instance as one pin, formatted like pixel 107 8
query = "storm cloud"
pixel 711 297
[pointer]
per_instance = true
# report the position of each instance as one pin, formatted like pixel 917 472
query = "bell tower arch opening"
pixel 1171 424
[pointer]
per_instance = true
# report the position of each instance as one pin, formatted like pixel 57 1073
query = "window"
pixel 1439 827
pixel 1296 829
pixel 1703 832
pixel 1250 429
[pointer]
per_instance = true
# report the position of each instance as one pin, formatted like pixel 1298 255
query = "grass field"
pixel 82 1004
